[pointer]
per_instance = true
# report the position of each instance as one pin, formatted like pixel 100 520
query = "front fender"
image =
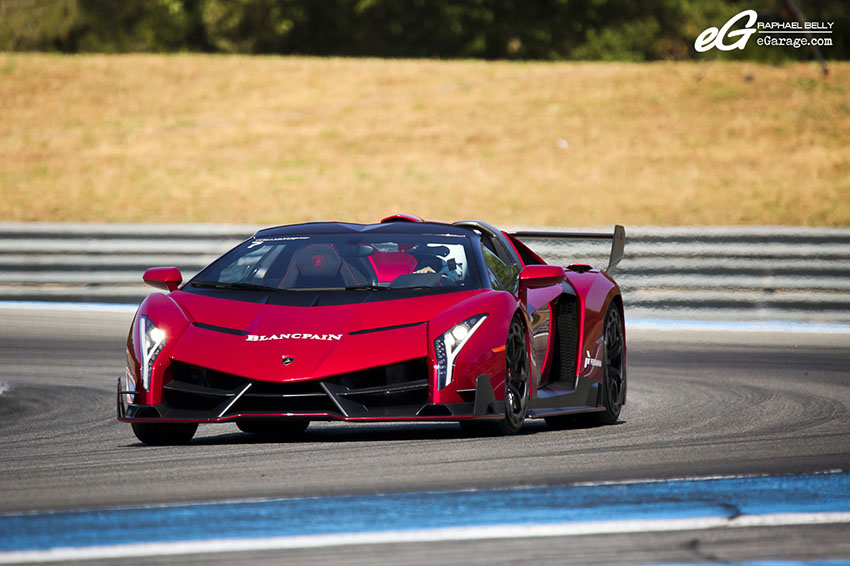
pixel 166 315
pixel 483 353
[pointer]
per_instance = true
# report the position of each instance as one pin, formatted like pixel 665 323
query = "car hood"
pixel 285 343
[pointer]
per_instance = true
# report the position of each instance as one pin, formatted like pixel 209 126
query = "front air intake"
pixel 396 389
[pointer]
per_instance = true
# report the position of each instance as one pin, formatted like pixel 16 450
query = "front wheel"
pixel 516 388
pixel 165 434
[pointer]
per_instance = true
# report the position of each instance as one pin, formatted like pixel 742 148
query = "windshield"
pixel 352 262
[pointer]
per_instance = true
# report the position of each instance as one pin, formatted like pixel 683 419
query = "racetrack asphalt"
pixel 700 404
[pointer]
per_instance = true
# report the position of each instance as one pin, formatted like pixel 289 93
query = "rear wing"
pixel 618 240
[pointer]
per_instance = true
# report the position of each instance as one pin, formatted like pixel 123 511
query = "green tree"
pixel 489 29
pixel 35 24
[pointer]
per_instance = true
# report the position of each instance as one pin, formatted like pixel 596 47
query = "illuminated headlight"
pixel 448 345
pixel 152 340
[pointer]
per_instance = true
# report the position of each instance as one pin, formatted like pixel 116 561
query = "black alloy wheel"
pixel 516 388
pixel 516 379
pixel 614 367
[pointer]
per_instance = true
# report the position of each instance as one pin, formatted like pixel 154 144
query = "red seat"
pixel 389 265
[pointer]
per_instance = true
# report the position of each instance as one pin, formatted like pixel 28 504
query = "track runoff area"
pixel 646 506
pixel 536 512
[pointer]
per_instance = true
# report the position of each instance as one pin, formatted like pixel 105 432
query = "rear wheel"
pixel 271 427
pixel 614 368
pixel 165 434
pixel 516 387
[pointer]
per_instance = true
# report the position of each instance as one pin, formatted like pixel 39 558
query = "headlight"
pixel 151 340
pixel 448 345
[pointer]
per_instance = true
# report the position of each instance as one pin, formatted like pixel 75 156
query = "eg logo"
pixel 712 37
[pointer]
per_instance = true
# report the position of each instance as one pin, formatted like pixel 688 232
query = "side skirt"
pixel 556 399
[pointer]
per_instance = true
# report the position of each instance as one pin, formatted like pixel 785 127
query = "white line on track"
pixel 693 479
pixel 416 536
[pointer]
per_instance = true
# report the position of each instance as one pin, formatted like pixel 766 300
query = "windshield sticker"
pixel 261 241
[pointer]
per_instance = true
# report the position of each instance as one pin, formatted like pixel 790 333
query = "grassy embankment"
pixel 271 140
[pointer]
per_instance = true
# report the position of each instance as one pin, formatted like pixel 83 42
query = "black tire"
pixel 165 434
pixel 613 368
pixel 271 427
pixel 516 388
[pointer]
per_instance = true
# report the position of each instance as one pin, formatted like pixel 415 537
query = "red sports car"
pixel 404 320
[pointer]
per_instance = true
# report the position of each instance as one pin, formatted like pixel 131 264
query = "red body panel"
pixel 325 355
pixel 595 289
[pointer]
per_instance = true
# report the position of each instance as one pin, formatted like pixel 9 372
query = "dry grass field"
pixel 270 140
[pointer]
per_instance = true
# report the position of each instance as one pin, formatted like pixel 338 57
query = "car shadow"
pixel 378 432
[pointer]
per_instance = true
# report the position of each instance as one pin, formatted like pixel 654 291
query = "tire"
pixel 613 368
pixel 165 434
pixel 271 427
pixel 516 388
